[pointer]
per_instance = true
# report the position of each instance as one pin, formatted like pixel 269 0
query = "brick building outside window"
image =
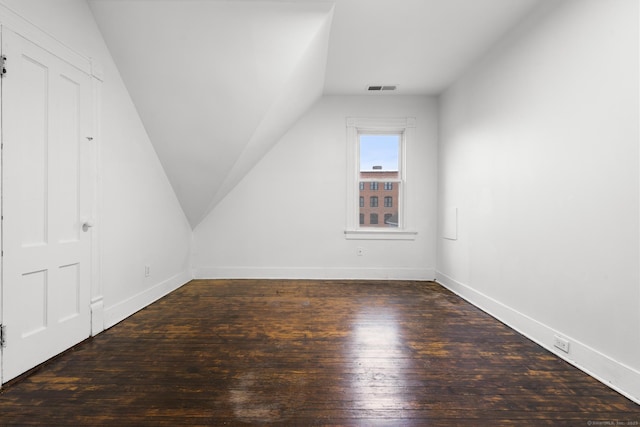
pixel 382 185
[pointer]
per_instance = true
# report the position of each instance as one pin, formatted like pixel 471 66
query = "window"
pixel 376 160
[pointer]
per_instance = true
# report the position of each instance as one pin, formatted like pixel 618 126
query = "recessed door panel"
pixel 67 293
pixel 68 160
pixel 33 177
pixel 33 303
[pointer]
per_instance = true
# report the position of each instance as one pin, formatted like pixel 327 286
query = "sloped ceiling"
pixel 218 82
pixel 204 76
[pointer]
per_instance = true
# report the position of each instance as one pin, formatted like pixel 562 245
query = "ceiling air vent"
pixel 381 88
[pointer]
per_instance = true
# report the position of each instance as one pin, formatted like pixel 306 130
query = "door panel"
pixel 33 146
pixel 46 195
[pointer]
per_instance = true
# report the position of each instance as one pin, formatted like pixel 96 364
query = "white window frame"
pixel 356 127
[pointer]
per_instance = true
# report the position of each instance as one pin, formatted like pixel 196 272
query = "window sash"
pixel 384 180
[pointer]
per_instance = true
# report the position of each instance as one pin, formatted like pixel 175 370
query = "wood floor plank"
pixel 291 352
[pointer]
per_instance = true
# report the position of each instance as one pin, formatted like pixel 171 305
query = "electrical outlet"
pixel 561 343
pixel 147 271
pixel 359 251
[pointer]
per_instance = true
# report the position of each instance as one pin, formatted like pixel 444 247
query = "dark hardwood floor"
pixel 232 352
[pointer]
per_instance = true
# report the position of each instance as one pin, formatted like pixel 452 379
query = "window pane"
pixel 379 152
pixel 391 219
pixel 372 211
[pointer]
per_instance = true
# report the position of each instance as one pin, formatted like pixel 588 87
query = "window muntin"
pixel 388 186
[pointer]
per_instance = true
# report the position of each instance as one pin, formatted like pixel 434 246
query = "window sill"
pixel 380 235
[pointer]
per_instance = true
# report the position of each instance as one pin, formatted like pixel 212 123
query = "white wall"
pixel 140 221
pixel 539 153
pixel 286 218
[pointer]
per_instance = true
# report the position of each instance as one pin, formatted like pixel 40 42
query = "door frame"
pixel 21 26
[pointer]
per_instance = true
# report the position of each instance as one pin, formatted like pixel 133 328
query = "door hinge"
pixel 3 336
pixel 3 63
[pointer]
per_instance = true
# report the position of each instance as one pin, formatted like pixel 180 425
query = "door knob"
pixel 87 225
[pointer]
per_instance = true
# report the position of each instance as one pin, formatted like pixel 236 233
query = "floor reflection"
pixel 379 379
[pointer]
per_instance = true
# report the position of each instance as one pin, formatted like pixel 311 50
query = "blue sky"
pixel 379 150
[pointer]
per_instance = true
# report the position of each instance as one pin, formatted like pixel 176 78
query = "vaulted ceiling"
pixel 218 82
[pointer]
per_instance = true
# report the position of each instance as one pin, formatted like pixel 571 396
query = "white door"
pixel 46 198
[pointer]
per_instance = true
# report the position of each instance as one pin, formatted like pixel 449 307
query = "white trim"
pixel 97 305
pixel 314 273
pixel 23 27
pixel 123 309
pixel 97 316
pixel 381 124
pixel 97 70
pixel 616 375
pixel 384 234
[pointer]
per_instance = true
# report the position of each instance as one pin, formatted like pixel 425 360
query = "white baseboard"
pixel 120 311
pixel 618 376
pixel 97 316
pixel 314 273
